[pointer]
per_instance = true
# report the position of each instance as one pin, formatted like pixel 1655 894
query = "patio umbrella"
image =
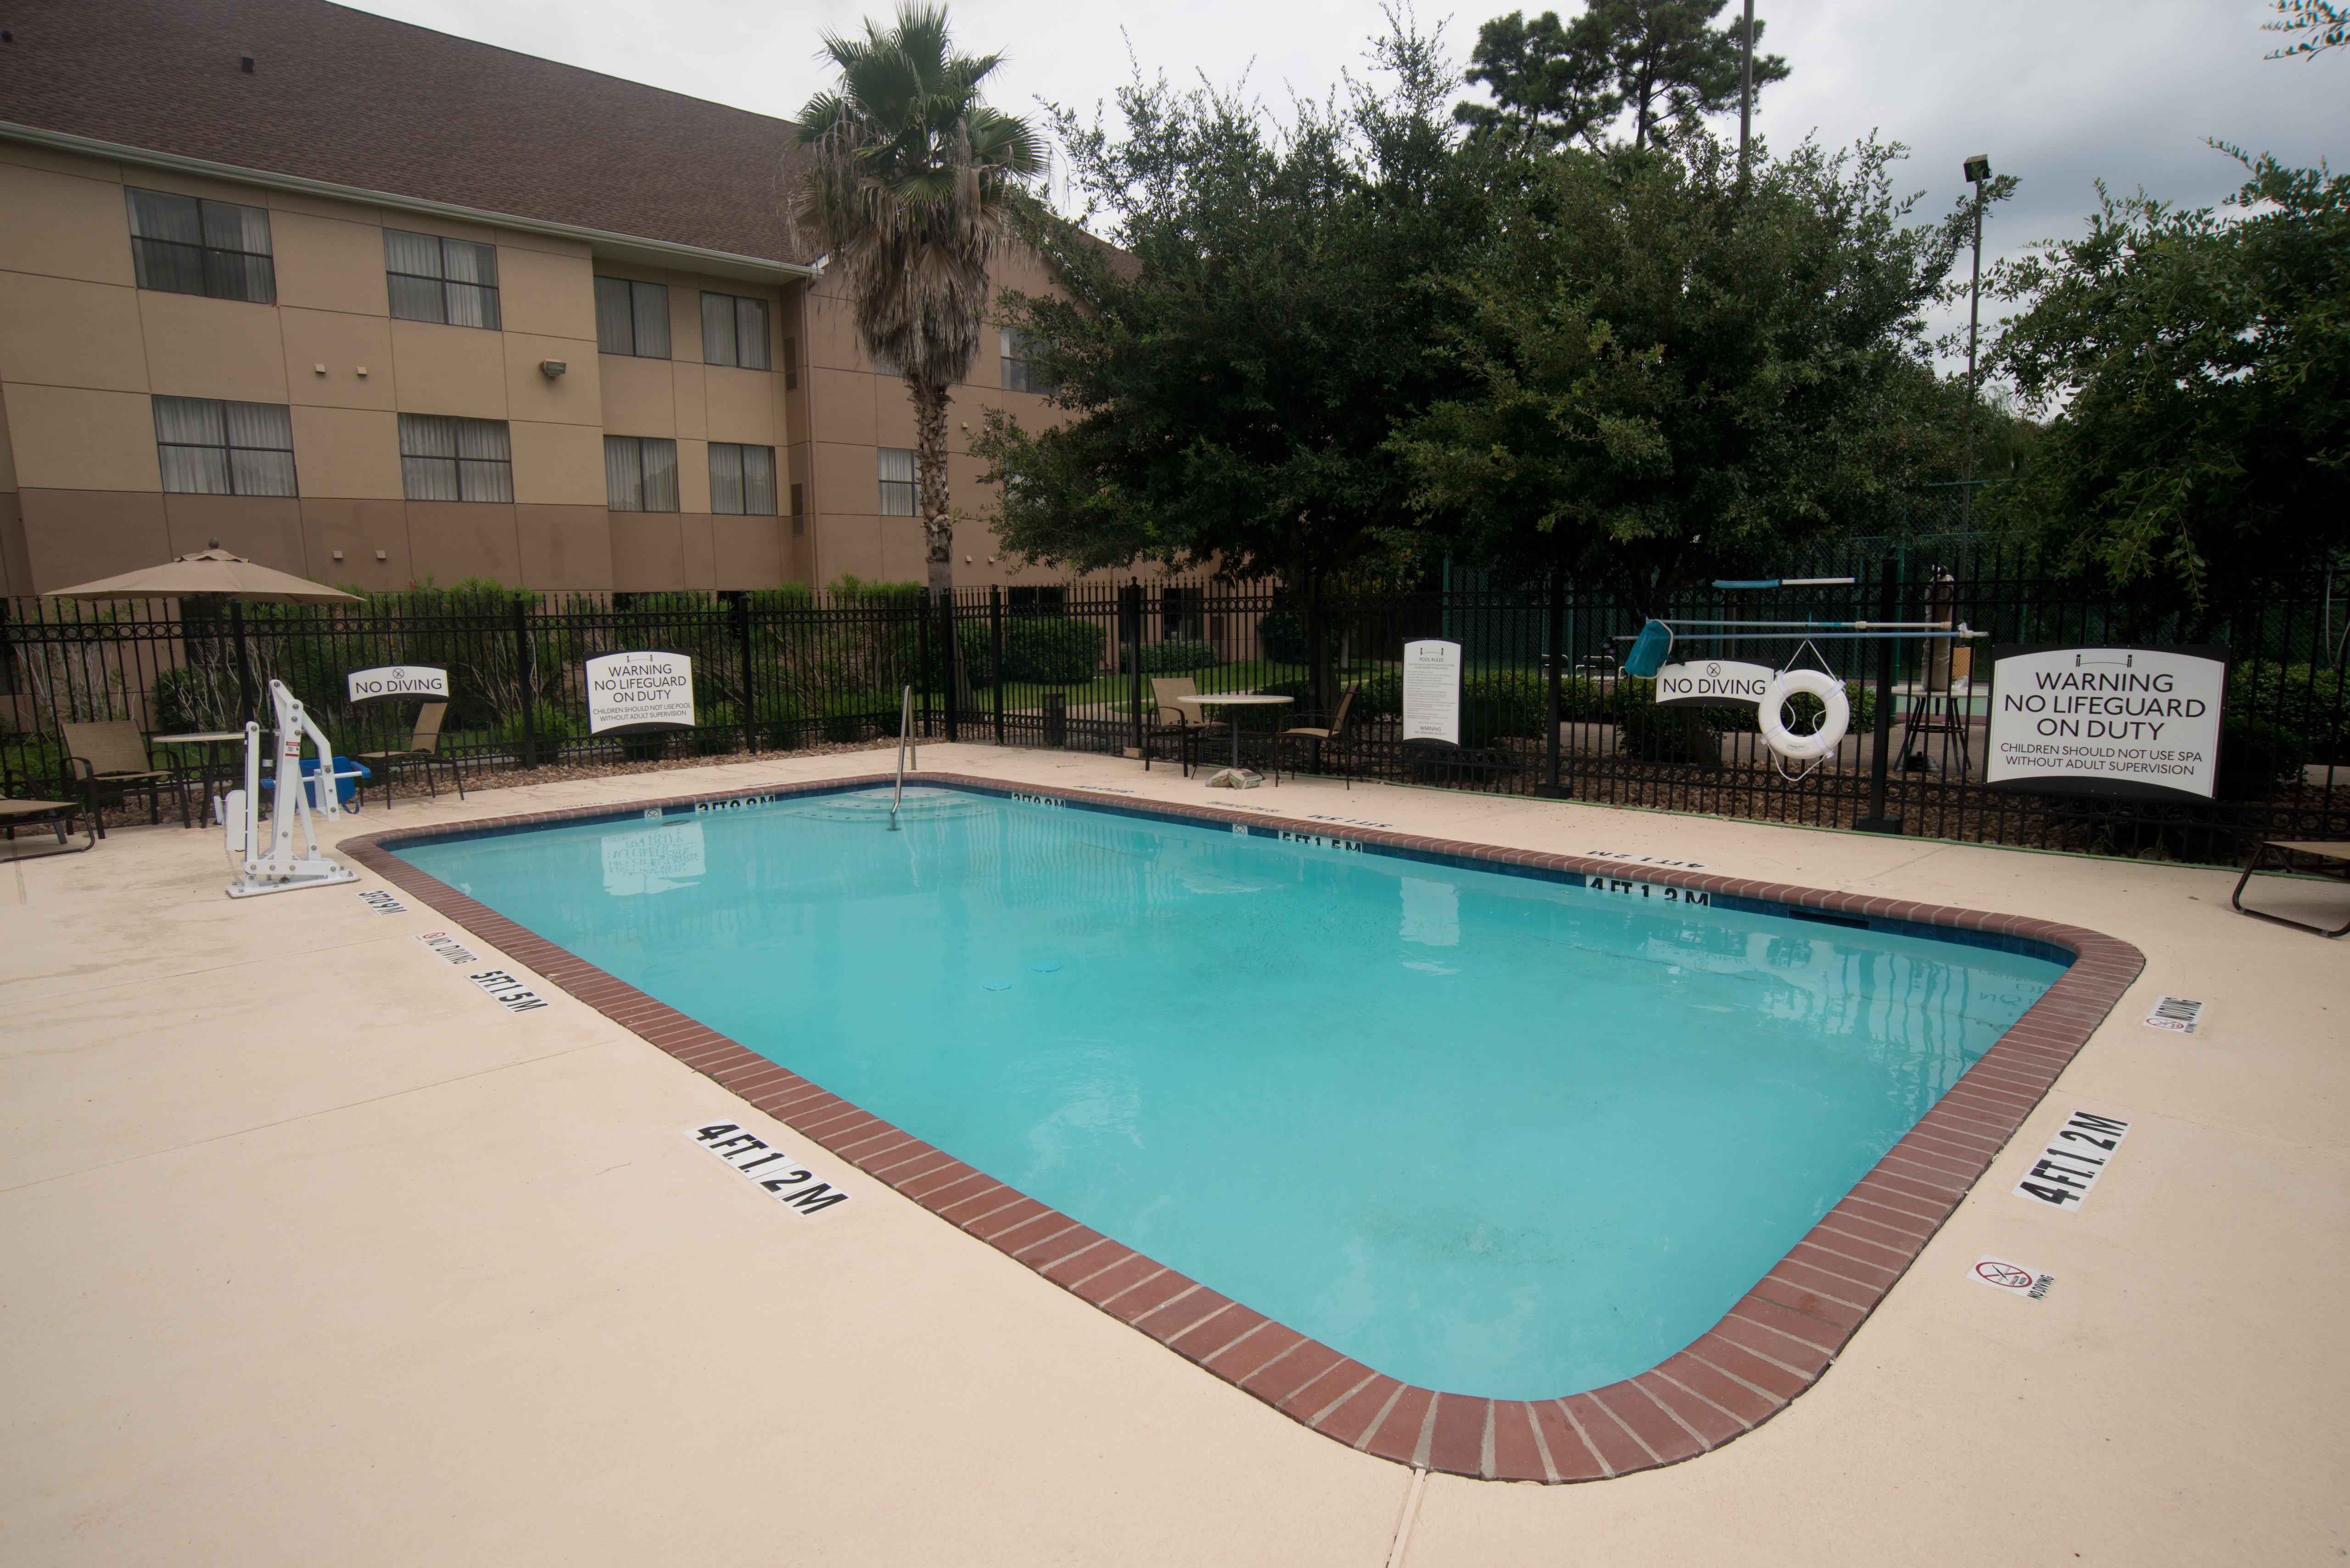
pixel 214 573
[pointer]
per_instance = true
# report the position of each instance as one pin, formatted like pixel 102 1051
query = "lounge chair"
pixel 111 755
pixel 1188 725
pixel 423 752
pixel 2337 854
pixel 16 812
pixel 1316 737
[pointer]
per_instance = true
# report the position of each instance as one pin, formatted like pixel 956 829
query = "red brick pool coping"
pixel 1774 1344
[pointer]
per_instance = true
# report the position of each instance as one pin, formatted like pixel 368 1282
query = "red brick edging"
pixel 1770 1347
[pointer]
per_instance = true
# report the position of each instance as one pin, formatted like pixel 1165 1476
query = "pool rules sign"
pixel 638 693
pixel 1432 691
pixel 2131 722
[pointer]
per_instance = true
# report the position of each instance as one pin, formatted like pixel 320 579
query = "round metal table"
pixel 1234 699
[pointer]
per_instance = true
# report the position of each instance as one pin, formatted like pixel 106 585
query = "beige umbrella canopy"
pixel 214 572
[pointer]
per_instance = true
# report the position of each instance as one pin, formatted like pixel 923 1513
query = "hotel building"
pixel 379 306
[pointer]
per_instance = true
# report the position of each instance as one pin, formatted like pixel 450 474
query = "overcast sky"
pixel 2060 92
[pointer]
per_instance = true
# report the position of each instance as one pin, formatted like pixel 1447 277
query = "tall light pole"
pixel 1977 173
pixel 1746 89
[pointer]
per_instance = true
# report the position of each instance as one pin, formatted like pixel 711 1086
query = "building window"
pixel 897 482
pixel 742 479
pixel 1181 610
pixel 632 317
pixel 444 458
pixel 791 364
pixel 433 279
pixel 207 447
pixel 183 246
pixel 640 473
pixel 734 331
pixel 1018 375
pixel 1035 601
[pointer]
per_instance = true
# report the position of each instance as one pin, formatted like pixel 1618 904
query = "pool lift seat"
pixel 278 868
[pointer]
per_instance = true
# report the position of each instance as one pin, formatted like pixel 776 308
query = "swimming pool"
pixel 1502 1134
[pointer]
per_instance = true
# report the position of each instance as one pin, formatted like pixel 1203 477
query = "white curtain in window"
pixel 193 421
pixel 759 481
pixel 725 477
pixel 661 473
pixel 235 228
pixel 650 308
pixel 427 457
pixel 470 305
pixel 260 425
pixel 194 470
pixel 464 262
pixel 897 464
pixel 484 460
pixel 416 253
pixel 718 329
pixel 158 216
pixel 254 472
pixel 614 333
pixel 751 334
pixel 624 474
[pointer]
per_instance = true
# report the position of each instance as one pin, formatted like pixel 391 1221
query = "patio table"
pixel 1235 699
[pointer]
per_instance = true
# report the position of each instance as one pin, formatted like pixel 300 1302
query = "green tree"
pixel 1672 374
pixel 1232 377
pixel 2198 366
pixel 908 192
pixel 1554 83
pixel 2314 25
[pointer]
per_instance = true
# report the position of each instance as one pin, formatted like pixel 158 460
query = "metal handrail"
pixel 905 739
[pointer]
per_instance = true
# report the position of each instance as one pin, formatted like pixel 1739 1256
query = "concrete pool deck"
pixel 314 1249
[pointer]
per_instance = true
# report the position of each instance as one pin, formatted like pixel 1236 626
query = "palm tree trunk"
pixel 930 400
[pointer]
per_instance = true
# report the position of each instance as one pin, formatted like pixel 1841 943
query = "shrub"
pixel 2255 756
pixel 1045 650
pixel 1281 637
pixel 551 726
pixel 718 730
pixel 845 714
pixel 1175 656
pixel 781 720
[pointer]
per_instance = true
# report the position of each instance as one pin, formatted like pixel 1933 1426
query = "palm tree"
pixel 908 192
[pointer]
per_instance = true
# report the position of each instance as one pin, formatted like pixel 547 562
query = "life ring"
pixel 1770 714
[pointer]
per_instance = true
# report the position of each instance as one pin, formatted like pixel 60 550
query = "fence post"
pixel 951 646
pixel 529 694
pixel 922 659
pixel 1557 651
pixel 1132 607
pixel 1888 603
pixel 743 652
pixel 244 664
pixel 995 656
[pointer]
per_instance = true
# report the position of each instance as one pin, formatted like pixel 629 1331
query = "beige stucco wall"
pixel 82 351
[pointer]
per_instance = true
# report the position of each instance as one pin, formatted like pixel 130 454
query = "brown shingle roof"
pixel 351 99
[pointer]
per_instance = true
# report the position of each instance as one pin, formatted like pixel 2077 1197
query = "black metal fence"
pixel 1095 665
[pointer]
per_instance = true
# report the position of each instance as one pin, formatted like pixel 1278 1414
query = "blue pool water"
pixel 1490 1133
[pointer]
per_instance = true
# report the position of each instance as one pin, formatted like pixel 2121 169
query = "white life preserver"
pixel 1770 714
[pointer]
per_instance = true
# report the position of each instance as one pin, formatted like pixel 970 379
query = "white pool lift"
pixel 278 868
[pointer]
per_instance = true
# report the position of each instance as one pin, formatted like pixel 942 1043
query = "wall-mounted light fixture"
pixel 319 366
pixel 339 555
pixel 382 555
pixel 359 369
pixel 551 369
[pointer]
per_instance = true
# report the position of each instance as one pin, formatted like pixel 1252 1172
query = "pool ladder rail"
pixel 905 742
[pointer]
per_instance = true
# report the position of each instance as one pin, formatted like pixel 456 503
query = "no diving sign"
pixel 2012 1277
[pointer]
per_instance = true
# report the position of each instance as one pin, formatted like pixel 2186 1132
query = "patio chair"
pixel 1315 738
pixel 1189 726
pixel 111 755
pixel 17 812
pixel 2337 855
pixel 423 751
